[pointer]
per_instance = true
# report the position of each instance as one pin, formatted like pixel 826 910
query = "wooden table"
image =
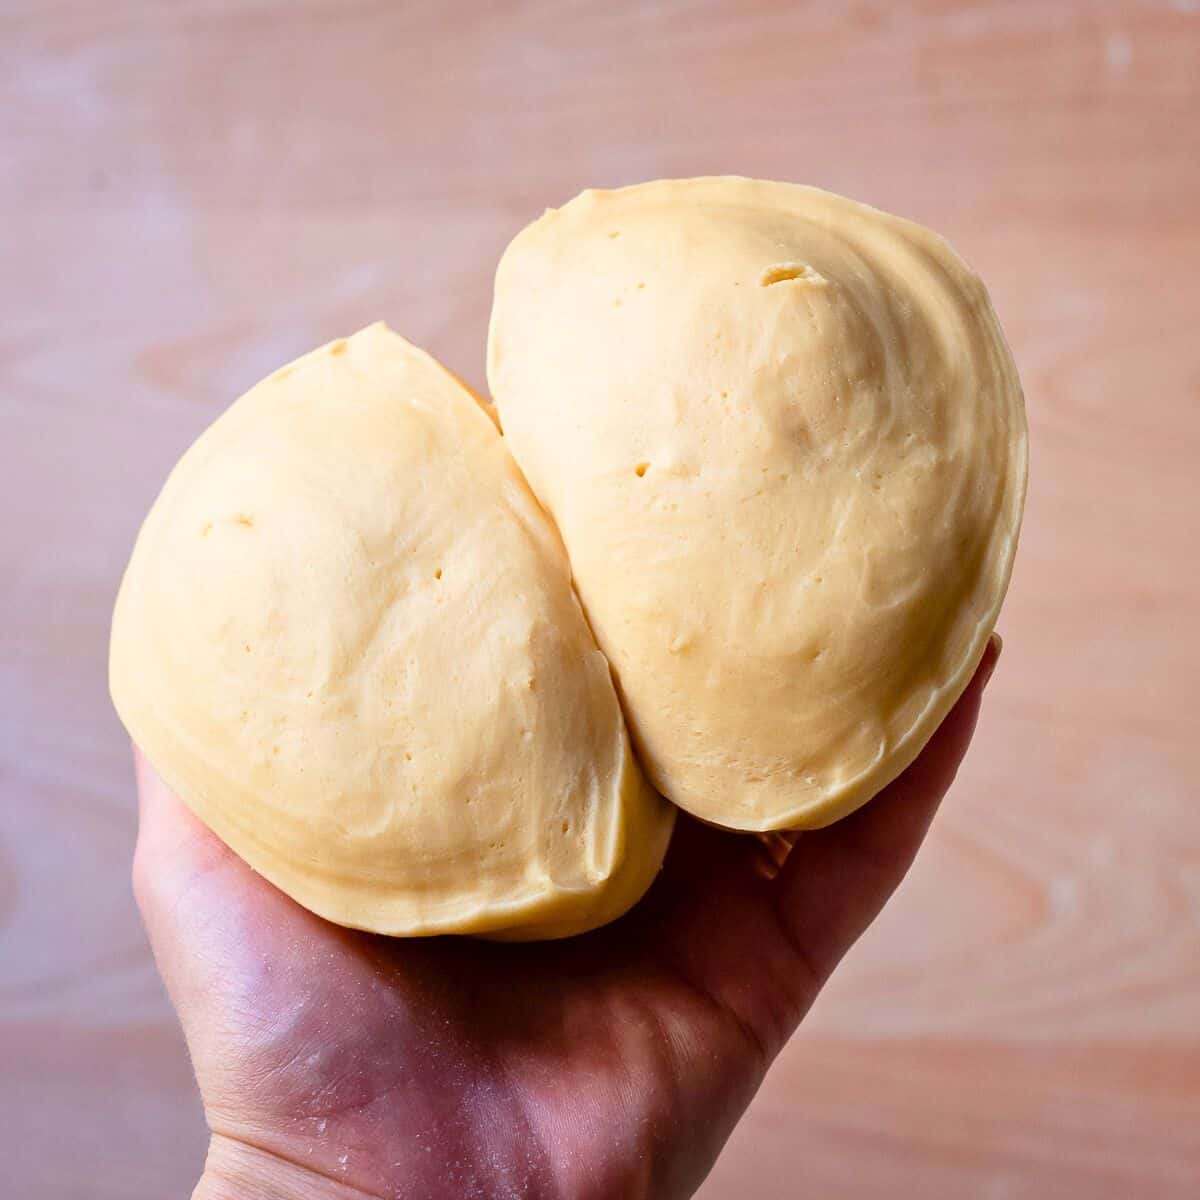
pixel 192 193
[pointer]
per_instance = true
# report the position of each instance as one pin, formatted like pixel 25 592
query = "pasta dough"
pixel 347 638
pixel 784 442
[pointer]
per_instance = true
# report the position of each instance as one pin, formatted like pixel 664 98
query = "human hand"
pixel 345 1065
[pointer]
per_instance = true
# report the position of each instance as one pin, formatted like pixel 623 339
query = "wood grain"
pixel 192 193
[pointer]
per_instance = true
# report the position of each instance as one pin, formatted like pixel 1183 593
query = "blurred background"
pixel 193 193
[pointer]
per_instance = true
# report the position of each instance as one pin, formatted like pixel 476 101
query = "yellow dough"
pixel 347 638
pixel 784 442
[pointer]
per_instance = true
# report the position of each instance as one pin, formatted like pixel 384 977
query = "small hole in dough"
pixel 789 272
pixel 438 573
pixel 566 827
pixel 641 469
pixel 243 519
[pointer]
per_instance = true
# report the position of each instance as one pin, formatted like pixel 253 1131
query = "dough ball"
pixel 784 442
pixel 347 638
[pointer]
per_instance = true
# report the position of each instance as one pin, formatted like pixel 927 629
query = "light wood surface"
pixel 192 193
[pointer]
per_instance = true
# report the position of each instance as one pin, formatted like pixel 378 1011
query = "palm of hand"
pixel 613 1064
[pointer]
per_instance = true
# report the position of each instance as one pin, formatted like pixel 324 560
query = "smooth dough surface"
pixel 784 442
pixel 347 638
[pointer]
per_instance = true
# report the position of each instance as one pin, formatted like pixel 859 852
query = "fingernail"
pixel 997 647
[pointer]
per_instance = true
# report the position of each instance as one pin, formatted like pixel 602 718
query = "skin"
pixel 344 1065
